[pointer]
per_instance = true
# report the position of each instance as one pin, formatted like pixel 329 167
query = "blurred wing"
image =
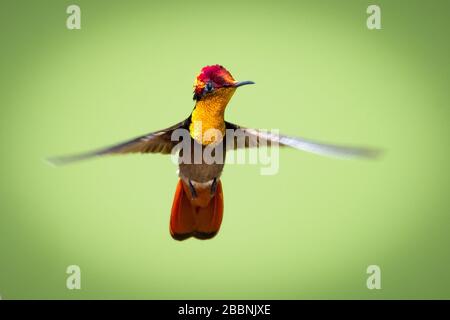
pixel 155 142
pixel 256 138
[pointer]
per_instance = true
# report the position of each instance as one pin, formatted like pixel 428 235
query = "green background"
pixel 308 232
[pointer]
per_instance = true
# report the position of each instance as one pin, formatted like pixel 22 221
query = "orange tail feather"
pixel 200 217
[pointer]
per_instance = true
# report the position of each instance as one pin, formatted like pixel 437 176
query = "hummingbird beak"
pixel 242 83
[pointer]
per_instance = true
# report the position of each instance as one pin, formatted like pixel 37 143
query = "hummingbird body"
pixel 197 207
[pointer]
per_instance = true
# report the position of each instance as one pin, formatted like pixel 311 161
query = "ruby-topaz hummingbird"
pixel 197 207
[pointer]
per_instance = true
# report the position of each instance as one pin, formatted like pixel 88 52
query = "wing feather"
pixel 154 142
pixel 256 138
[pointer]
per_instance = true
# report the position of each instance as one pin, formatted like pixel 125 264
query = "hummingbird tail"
pixel 195 217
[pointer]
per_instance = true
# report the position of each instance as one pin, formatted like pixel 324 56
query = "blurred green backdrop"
pixel 308 232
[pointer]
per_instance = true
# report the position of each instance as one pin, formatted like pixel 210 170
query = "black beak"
pixel 242 83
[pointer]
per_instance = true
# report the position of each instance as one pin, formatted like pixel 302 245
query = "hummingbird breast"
pixel 204 167
pixel 207 132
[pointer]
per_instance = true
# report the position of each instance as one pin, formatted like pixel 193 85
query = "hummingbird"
pixel 198 203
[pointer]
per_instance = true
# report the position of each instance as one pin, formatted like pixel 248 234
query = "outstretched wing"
pixel 256 138
pixel 155 142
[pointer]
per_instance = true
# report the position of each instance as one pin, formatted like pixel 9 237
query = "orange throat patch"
pixel 207 119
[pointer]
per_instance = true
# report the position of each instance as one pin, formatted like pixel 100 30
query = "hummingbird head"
pixel 215 81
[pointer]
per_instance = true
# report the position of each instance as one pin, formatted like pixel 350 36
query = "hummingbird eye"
pixel 209 87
